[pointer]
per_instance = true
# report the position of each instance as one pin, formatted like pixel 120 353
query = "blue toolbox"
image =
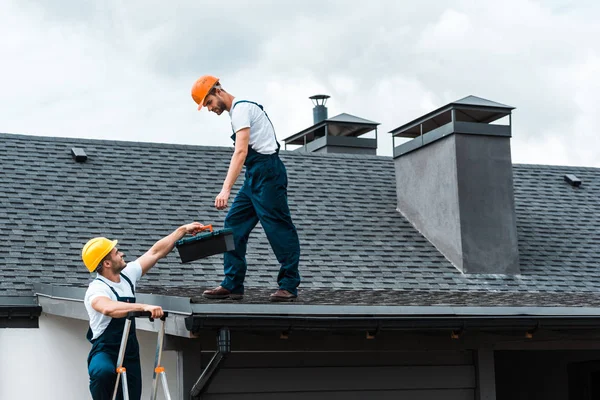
pixel 205 244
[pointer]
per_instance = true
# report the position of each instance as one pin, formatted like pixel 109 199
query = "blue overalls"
pixel 262 197
pixel 102 360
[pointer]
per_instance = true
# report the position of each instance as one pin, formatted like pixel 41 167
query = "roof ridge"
pixel 77 140
pixel 65 139
pixel 556 166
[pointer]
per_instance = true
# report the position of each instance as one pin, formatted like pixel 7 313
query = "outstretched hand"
pixel 193 228
pixel 165 245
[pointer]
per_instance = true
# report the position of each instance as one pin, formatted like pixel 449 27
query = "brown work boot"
pixel 282 296
pixel 221 293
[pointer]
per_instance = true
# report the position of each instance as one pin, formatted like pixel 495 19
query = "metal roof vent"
pixel 572 180
pixel 339 134
pixel 319 111
pixel 78 154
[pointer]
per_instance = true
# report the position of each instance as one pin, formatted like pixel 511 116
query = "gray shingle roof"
pixel 344 207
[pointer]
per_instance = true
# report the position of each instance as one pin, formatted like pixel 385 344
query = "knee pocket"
pixel 103 373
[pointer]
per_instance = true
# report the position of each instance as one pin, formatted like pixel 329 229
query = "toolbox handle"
pixel 206 228
pixel 137 314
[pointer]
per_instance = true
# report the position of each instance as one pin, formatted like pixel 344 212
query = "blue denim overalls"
pixel 102 360
pixel 262 197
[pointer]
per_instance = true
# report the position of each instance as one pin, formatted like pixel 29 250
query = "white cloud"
pixel 123 70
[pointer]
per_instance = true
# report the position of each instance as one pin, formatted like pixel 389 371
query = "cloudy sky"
pixel 123 69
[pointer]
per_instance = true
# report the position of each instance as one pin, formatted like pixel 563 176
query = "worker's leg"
pixel 134 378
pixel 269 197
pixel 241 219
pixel 103 375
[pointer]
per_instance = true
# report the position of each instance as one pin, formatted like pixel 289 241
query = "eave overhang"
pixel 187 318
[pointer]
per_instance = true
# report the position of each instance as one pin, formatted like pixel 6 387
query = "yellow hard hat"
pixel 95 250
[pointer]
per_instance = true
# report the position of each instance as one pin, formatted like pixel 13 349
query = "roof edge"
pixel 17 301
pixel 184 305
pixel 19 315
pixel 195 323
pixel 366 312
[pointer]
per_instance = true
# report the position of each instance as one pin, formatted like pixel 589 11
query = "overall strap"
pixel 110 287
pixel 256 104
pixel 113 290
pixel 129 281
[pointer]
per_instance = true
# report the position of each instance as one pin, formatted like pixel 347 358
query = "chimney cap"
pixel 480 102
pixel 341 125
pixel 319 101
pixel 334 135
pixel 319 97
pixel 472 109
pixel 351 119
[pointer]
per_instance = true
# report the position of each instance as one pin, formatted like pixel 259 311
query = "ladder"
pixel 159 370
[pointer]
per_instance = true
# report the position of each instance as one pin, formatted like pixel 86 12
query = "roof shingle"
pixel 344 206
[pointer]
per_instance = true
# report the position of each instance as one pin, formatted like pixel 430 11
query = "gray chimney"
pixel 339 134
pixel 319 111
pixel 454 183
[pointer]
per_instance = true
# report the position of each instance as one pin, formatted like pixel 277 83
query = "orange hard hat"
pixel 201 88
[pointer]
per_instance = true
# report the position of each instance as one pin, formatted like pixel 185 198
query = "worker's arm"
pixel 242 138
pixel 165 245
pixel 119 309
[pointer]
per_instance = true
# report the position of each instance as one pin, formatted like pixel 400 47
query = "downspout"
pixel 223 350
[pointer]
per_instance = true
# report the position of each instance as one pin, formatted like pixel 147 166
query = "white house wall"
pixel 51 362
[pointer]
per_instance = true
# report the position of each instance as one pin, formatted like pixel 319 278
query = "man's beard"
pixel 118 267
pixel 220 107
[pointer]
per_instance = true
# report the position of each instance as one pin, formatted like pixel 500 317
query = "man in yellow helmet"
pixel 263 196
pixel 108 299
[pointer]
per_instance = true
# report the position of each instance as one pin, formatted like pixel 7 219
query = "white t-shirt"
pixel 262 134
pixel 99 321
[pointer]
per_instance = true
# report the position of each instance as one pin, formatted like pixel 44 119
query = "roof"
pixel 480 102
pixel 350 119
pixel 353 239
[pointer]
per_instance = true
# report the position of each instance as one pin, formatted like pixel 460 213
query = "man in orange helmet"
pixel 262 197
pixel 108 299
